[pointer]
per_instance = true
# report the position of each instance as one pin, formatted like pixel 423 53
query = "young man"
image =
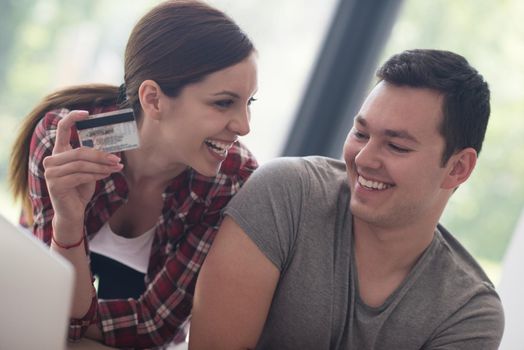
pixel 318 254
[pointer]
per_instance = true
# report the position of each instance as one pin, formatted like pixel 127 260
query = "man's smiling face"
pixel 393 156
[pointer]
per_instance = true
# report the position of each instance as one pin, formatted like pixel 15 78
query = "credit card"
pixel 110 132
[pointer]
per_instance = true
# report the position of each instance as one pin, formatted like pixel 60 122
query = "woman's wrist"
pixel 67 233
pixel 67 246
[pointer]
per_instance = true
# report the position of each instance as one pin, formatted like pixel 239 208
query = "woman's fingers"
pixel 78 166
pixel 63 130
pixel 81 154
pixel 81 167
pixel 71 173
pixel 66 183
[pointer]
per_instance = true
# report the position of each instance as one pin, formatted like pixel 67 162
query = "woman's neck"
pixel 143 165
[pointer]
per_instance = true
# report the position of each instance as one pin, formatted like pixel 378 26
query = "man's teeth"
pixel 372 184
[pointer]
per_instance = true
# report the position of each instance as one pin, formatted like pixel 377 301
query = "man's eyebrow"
pixel 401 134
pixel 359 119
pixel 228 93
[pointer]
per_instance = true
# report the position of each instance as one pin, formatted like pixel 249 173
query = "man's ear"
pixel 460 166
pixel 149 94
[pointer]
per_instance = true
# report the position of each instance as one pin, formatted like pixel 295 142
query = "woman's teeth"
pixel 218 147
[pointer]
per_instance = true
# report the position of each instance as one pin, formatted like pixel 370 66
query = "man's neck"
pixel 384 257
pixel 394 248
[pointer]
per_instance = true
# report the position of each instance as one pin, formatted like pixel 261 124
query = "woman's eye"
pixel 224 103
pixel 251 100
pixel 398 149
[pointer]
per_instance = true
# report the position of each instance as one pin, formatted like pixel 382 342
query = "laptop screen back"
pixel 36 289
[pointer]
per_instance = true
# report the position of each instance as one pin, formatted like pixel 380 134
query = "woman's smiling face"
pixel 200 124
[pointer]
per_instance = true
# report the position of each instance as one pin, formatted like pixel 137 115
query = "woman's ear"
pixel 460 166
pixel 149 94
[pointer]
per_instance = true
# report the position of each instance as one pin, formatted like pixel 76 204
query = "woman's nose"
pixel 240 123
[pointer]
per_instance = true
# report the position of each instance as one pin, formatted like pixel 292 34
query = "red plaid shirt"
pixel 188 223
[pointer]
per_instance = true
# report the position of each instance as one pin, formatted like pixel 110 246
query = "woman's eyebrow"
pixel 228 93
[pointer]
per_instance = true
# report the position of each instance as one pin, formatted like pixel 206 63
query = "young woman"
pixel 142 220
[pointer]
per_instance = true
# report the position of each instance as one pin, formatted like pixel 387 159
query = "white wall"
pixel 511 290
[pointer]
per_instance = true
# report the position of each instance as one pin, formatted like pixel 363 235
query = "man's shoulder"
pixel 325 167
pixel 454 281
pixel 446 298
pixel 457 260
pixel 316 166
pixel 310 179
pixel 462 298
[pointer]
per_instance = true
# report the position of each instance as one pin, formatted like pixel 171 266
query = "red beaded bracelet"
pixel 68 246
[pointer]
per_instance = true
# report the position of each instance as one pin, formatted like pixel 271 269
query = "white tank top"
pixel 133 252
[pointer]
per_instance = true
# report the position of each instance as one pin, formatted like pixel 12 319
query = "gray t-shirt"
pixel 296 210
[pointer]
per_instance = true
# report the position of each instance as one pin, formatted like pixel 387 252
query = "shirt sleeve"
pixel 160 313
pixel 41 146
pixel 270 206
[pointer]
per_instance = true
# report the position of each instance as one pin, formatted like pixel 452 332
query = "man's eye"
pixel 224 103
pixel 398 149
pixel 359 135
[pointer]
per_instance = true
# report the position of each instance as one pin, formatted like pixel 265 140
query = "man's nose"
pixel 369 156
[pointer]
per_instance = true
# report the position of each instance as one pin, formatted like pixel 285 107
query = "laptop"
pixel 36 288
